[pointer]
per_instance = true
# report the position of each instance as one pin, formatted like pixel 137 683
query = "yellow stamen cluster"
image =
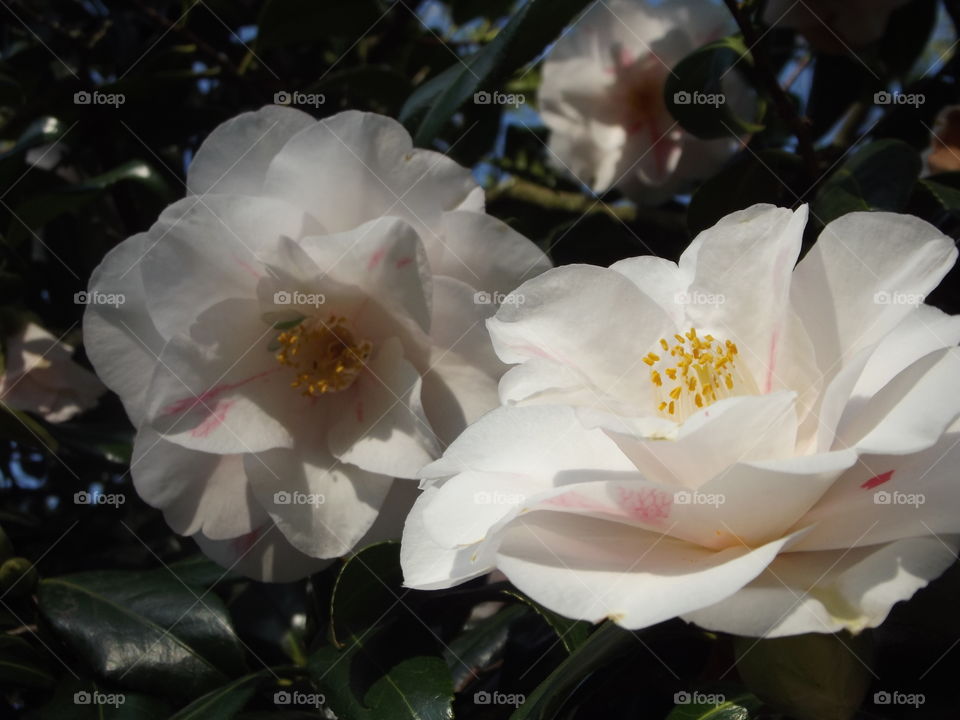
pixel 694 373
pixel 325 355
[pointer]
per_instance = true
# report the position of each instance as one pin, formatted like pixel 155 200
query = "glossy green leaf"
pixel 17 425
pixel 39 209
pixel 144 630
pixel 572 633
pixel 530 29
pixel 808 677
pixel 224 702
pixel 694 90
pixel 715 705
pixel 879 176
pixel 770 176
pixel 366 589
pixel 84 699
pixel 384 663
pixel 23 665
pixel 473 649
pixel 604 646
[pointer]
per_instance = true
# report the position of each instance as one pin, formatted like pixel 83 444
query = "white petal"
pixel 198 492
pixel 387 432
pixel 120 339
pixel 590 569
pixel 199 254
pixel 234 157
pixel 461 382
pixel 829 591
pixel 353 167
pixel 262 555
pixel 429 566
pixel 322 506
pixel 889 497
pixel 854 285
pixel 538 441
pixel 221 390
pixel 744 263
pixel 558 320
pixel 485 253
pixel 908 414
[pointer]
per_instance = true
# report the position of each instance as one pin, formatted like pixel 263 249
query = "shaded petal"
pixel 829 591
pixel 234 157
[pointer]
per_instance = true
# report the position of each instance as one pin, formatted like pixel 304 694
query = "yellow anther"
pixel 701 371
pixel 331 357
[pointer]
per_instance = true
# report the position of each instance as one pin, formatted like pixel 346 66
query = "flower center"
pixel 326 356
pixel 694 373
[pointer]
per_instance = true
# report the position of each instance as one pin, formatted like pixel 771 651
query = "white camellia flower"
pixel 301 329
pixel 834 26
pixel 41 377
pixel 602 97
pixel 759 448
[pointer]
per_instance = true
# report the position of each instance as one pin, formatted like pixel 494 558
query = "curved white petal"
pixel 234 157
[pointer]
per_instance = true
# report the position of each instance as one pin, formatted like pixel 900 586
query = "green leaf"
pixel 20 427
pixel 770 176
pixel 39 209
pixel 572 633
pixel 224 702
pixel 879 176
pixel 808 677
pixel 41 131
pixel 738 706
pixel 377 678
pixel 605 645
pixel 144 630
pixel 944 188
pixel 694 91
pixel 366 589
pixel 88 700
pixel 383 664
pixel 530 29
pixel 23 665
pixel 200 571
pixel 473 649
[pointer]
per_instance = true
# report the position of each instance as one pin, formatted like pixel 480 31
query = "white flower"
pixel 602 97
pixel 41 376
pixel 299 330
pixel 834 26
pixel 759 449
